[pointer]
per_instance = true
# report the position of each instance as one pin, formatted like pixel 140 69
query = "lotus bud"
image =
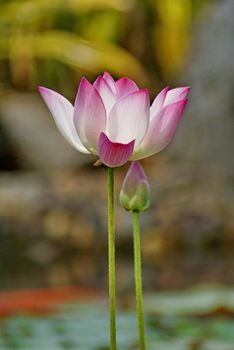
pixel 135 191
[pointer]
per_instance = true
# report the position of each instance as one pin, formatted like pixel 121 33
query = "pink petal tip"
pixel 114 154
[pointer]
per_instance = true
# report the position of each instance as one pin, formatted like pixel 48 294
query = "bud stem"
pixel 111 258
pixel 138 278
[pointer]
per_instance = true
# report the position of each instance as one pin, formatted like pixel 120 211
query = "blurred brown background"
pixel 53 201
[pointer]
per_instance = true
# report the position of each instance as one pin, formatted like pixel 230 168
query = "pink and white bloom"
pixel 114 120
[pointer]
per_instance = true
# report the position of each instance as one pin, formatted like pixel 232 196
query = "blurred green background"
pixel 56 43
pixel 53 201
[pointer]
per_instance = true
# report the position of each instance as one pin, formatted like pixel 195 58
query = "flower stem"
pixel 111 257
pixel 138 278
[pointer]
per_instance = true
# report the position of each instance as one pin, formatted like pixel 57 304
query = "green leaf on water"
pixel 177 326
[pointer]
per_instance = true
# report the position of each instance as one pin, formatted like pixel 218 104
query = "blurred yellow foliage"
pixel 171 36
pixel 51 41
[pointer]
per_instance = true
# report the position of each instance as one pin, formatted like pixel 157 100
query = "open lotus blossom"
pixel 114 120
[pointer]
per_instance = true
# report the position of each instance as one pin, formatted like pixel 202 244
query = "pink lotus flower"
pixel 114 120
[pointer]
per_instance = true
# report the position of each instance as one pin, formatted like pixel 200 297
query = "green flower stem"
pixel 138 278
pixel 111 257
